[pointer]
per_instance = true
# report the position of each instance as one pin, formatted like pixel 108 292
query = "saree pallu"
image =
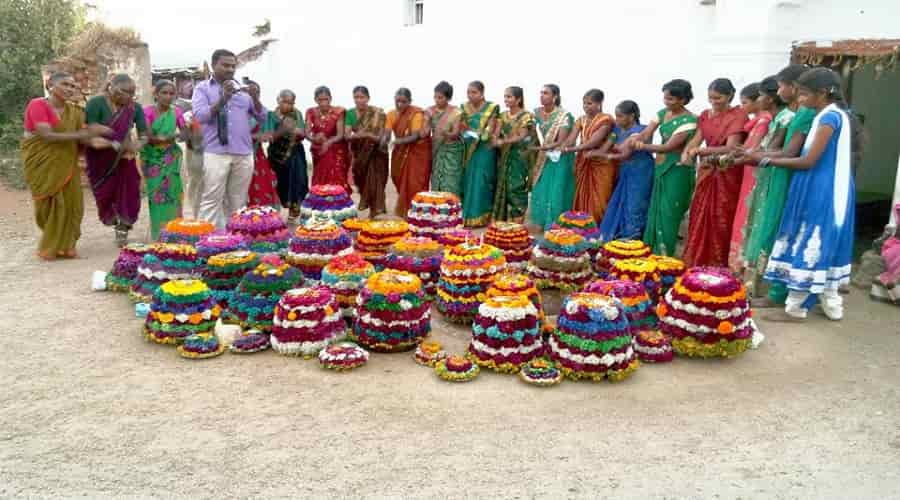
pixel 554 181
pixel 594 178
pixel 513 168
pixel 446 156
pixel 52 176
pixel 673 185
pixel 370 162
pixel 756 130
pixel 716 195
pixel 626 214
pixel 114 177
pixel 480 164
pixel 410 163
pixel 333 165
pixel 162 173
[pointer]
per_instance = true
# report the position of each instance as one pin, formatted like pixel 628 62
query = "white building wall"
pixel 628 49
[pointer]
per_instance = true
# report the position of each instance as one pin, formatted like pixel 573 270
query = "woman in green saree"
pixel 443 120
pixel 53 129
pixel 515 136
pixel 673 183
pixel 162 158
pixel 554 172
pixel 479 121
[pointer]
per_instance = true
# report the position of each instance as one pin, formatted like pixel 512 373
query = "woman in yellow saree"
pixel 53 130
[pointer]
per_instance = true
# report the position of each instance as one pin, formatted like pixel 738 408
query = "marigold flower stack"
pixel 514 240
pixel 225 271
pixel 345 276
pixel 314 244
pixel 433 214
pixel 124 270
pixel 392 313
pixel 560 260
pixel 467 272
pixel 506 334
pixel 306 320
pixel 376 237
pixel 180 308
pixel 263 227
pixel 164 262
pixel 420 256
pixel 185 231
pixel 327 201
pixel 260 290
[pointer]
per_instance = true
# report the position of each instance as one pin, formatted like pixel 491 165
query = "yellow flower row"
pixel 707 297
pixel 190 227
pixel 231 258
pixel 620 246
pixel 565 237
pixel 393 281
pixel 385 227
pixel 184 287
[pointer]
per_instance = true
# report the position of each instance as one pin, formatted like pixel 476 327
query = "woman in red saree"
pixel 718 180
pixel 331 160
pixel 595 177
pixel 411 156
pixel 113 172
pixel 756 129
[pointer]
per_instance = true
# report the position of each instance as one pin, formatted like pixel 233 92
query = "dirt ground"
pixel 91 409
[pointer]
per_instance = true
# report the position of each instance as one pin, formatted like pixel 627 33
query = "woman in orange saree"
pixel 718 181
pixel 331 161
pixel 53 130
pixel 595 176
pixel 411 156
pixel 365 129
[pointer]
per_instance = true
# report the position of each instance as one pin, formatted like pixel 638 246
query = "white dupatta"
pixel 843 160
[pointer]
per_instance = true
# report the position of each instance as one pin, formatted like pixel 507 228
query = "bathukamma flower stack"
pixel 353 226
pixel 376 238
pixel 669 269
pixel 201 346
pixel 343 356
pixel 467 272
pixel 164 262
pixel 124 270
pixel 180 308
pixel 263 227
pixel 345 276
pixel 540 372
pixel 639 270
pixel 639 308
pixel 253 304
pixel 429 352
pixel 706 313
pixel 392 314
pixel 560 260
pixel 186 231
pixel 512 284
pixel 314 244
pixel 250 342
pixel 614 250
pixel 456 369
pixel 506 333
pixel 514 240
pixel 593 339
pixel 225 271
pixel 457 237
pixel 653 346
pixel 419 256
pixel 327 201
pixel 306 320
pixel 584 224
pixel 220 242
pixel 432 214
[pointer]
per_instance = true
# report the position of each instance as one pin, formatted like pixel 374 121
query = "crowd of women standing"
pixel 764 186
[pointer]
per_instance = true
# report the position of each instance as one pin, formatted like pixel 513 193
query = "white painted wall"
pixel 628 49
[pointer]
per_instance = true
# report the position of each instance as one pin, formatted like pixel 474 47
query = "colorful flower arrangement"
pixel 353 226
pixel 456 369
pixel 541 372
pixel 583 224
pixel 314 244
pixel 514 240
pixel 164 262
pixel 707 314
pixel 186 231
pixel 343 356
pixel 669 269
pixel 432 214
pixel 518 285
pixel 639 270
pixel 392 314
pixel 225 271
pixel 619 249
pixel 345 276
pixel 327 201
pixel 220 242
pixel 124 270
pixel 467 272
pixel 653 346
pixel 254 301
pixel 306 320
pixel 376 238
pixel 201 346
pixel 263 227
pixel 593 339
pixel 429 352
pixel 639 308
pixel 457 237
pixel 506 334
pixel 420 256
pixel 560 260
pixel 180 308
pixel 252 341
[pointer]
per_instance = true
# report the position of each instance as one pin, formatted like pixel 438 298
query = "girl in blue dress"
pixel 814 245
pixel 626 214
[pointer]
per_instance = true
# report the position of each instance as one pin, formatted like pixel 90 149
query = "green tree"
pixel 32 32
